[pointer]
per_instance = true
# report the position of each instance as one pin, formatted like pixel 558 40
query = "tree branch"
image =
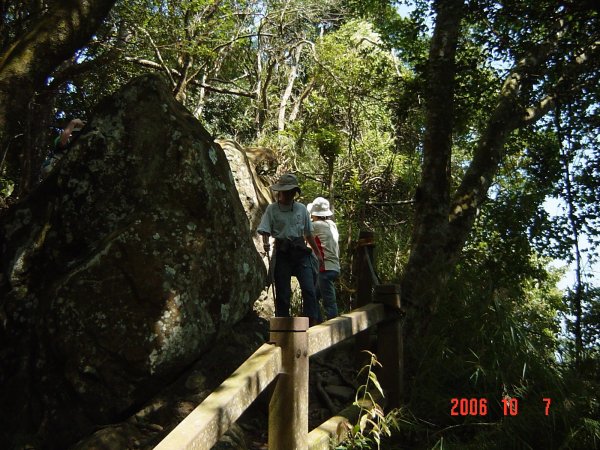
pixel 154 65
pixel 508 116
pixel 24 67
pixel 159 56
pixel 535 112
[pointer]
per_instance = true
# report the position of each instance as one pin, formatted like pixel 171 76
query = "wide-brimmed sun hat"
pixel 286 182
pixel 320 207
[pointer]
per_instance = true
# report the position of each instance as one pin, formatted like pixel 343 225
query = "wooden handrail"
pixel 203 427
pixel 288 362
pixel 336 330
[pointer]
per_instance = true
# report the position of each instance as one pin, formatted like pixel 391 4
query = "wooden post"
pixel 364 280
pixel 364 288
pixel 288 408
pixel 390 346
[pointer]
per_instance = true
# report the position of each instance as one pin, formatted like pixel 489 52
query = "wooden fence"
pixel 285 359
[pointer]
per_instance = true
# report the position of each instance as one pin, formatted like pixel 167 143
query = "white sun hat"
pixel 319 207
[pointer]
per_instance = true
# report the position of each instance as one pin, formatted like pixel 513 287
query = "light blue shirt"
pixel 286 222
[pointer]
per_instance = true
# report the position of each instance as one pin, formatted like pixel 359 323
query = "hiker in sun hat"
pixel 288 222
pixel 327 237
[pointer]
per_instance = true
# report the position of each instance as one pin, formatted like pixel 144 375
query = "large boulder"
pixel 120 269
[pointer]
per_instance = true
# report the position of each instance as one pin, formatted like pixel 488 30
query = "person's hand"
pixel 76 123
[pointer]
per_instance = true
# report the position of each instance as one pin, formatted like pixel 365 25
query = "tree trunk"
pixel 26 65
pixel 290 87
pixel 428 267
pixel 443 221
pixel 568 197
pixel 331 181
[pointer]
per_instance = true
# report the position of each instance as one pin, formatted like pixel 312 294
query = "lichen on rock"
pixel 122 267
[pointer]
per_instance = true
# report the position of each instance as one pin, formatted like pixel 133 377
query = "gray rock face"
pixel 121 268
pixel 254 191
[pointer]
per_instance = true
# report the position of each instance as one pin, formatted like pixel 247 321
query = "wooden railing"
pixel 285 359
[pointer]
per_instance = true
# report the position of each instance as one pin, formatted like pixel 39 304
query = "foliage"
pixel 340 89
pixel 497 336
pixel 6 187
pixel 373 423
pixel 591 326
pixel 348 142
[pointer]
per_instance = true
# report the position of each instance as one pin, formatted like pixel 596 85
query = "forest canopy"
pixel 444 126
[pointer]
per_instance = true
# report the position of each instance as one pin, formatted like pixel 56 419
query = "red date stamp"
pixel 479 406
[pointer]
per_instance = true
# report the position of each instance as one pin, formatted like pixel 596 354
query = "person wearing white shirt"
pixel 327 236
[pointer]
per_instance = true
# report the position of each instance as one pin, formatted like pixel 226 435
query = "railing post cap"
pixel 366 239
pixel 366 234
pixel 387 289
pixel 288 323
pixel 388 294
